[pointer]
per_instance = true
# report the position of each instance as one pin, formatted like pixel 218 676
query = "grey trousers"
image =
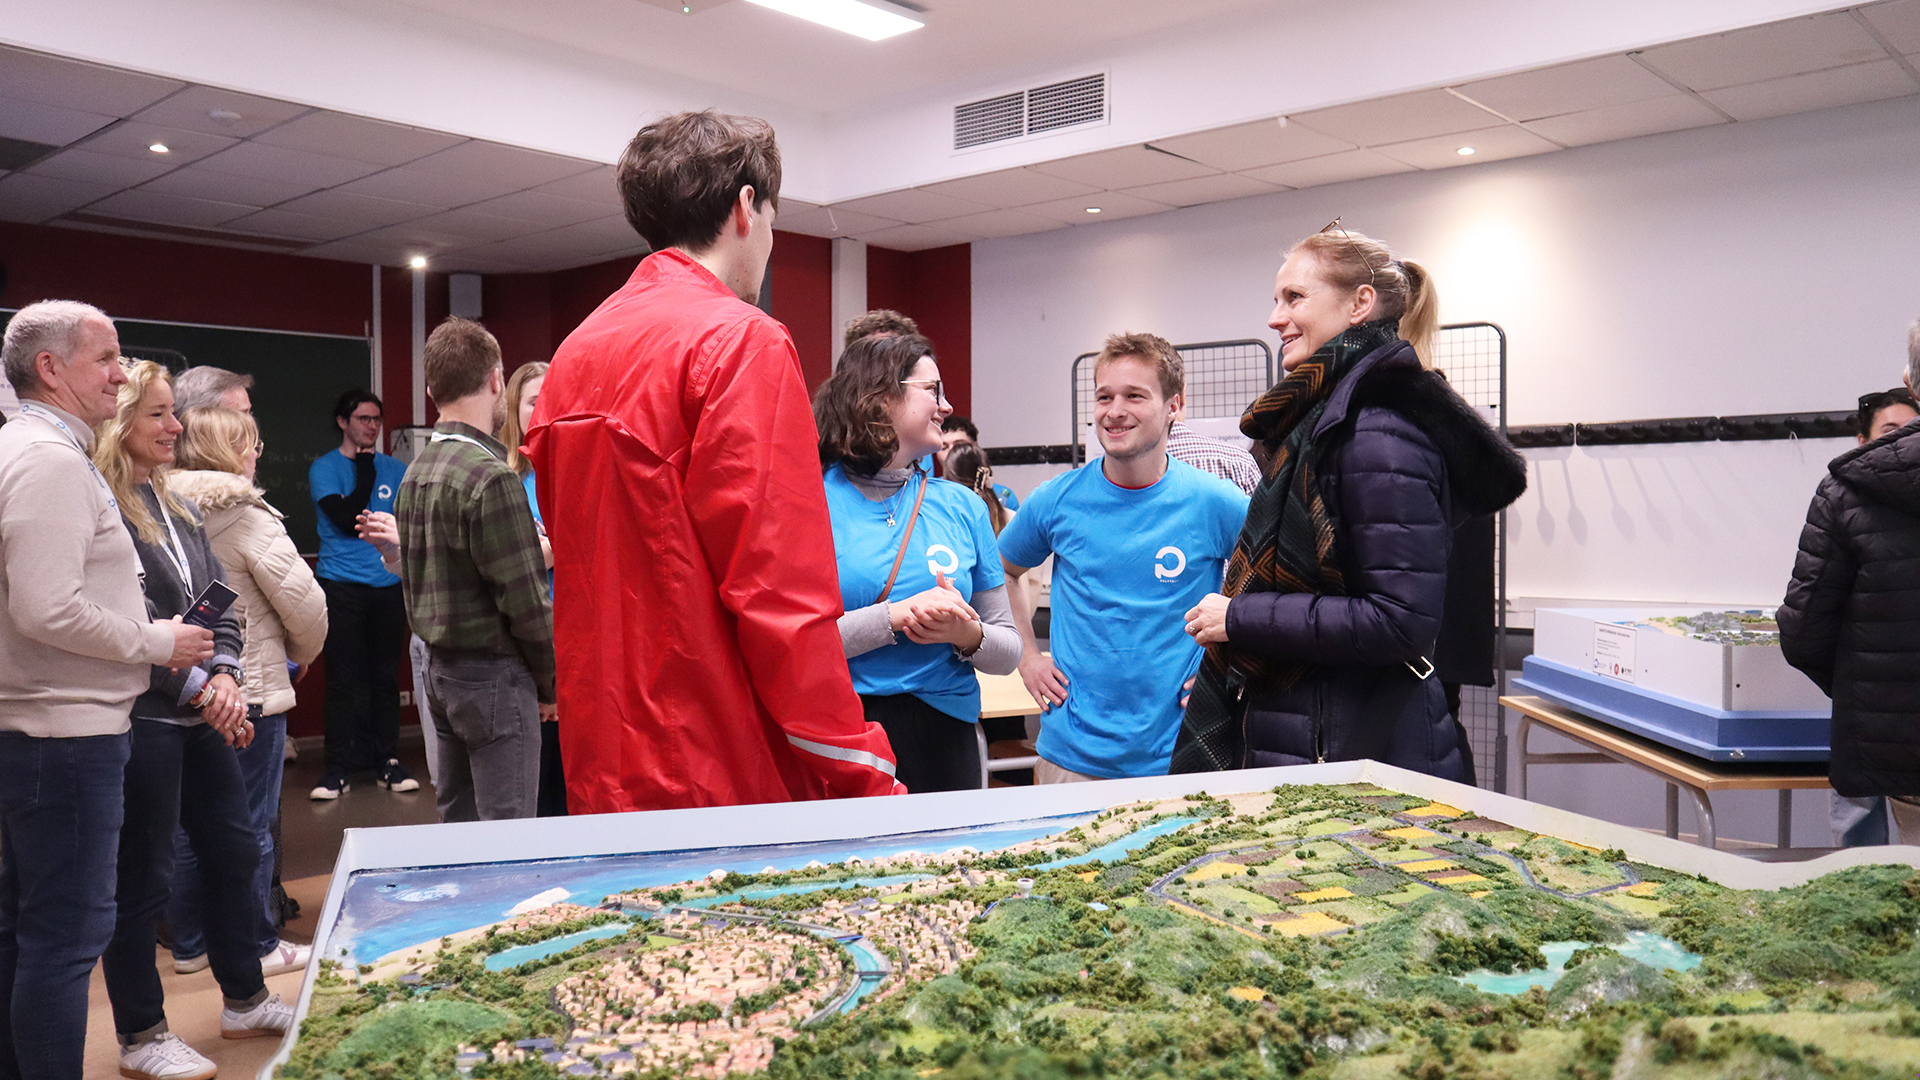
pixel 486 721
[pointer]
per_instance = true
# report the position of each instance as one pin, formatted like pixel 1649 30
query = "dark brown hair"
pixel 460 352
pixel 681 176
pixel 967 464
pixel 879 321
pixel 853 408
pixel 1153 350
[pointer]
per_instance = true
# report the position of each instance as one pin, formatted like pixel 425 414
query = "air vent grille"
pixel 1052 107
pixel 1064 104
pixel 992 120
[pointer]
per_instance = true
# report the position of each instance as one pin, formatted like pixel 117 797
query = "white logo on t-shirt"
pixel 384 491
pixel 935 566
pixel 1162 570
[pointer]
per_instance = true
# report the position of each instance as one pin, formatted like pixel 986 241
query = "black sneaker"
pixel 395 777
pixel 329 788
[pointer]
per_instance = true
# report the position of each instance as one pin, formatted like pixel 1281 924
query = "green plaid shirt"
pixel 470 559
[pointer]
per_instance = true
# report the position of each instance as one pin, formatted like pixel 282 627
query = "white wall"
pixel 1750 268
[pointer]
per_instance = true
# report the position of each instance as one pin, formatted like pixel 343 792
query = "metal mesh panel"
pixel 1473 356
pixel 979 122
pixel 1223 378
pixel 1064 104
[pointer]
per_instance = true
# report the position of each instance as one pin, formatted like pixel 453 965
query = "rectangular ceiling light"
pixel 847 16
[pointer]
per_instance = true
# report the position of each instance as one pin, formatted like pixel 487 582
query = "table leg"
pixel 1526 728
pixel 1703 809
pixel 1786 817
pixel 1673 812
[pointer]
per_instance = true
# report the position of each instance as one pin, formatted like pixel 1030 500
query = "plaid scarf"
pixel 1288 545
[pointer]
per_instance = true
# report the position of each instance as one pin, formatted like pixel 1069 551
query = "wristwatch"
pixel 230 671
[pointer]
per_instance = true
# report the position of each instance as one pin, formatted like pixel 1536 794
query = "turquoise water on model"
pixel 804 887
pixel 540 950
pixel 1652 950
pixel 863 960
pixel 1133 841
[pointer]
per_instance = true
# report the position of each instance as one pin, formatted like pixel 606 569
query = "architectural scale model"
pixel 1327 931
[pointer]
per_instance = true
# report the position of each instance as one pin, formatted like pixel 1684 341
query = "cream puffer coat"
pixel 283 613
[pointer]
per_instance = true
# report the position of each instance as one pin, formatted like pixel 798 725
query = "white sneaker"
pixel 285 957
pixel 187 965
pixel 270 1017
pixel 165 1058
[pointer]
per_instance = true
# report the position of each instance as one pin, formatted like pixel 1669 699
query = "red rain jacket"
pixel 695 594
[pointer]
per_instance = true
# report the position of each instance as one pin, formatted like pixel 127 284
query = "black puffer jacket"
pixel 1851 620
pixel 1406 462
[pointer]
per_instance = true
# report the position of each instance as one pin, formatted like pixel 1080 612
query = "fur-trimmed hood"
pixel 215 491
pixel 1485 472
pixel 1886 470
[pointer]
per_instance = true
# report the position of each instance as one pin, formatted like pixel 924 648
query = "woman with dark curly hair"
pixel 1321 642
pixel 920 575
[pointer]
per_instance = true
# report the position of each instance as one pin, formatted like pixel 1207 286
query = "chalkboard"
pixel 296 379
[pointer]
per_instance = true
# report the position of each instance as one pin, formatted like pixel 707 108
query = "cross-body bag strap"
pixel 902 557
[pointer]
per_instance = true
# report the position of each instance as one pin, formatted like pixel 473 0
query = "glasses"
pixel 259 448
pixel 931 386
pixel 1334 226
pixel 360 419
pixel 1880 399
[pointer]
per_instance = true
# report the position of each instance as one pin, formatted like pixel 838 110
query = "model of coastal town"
pixel 1753 627
pixel 1339 932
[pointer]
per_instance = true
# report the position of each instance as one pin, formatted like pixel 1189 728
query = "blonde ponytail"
pixel 1421 319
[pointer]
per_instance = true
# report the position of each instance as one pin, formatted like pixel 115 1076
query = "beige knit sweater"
pixel 76 645
pixel 283 613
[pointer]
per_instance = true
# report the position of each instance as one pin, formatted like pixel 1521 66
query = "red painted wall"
pixel 935 288
pixel 802 269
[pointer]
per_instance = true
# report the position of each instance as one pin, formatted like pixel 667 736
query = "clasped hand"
pixel 1207 620
pixel 226 711
pixel 938 615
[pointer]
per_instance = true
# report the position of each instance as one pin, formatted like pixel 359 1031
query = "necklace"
pixel 893 502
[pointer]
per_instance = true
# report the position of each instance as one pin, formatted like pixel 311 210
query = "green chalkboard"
pixel 296 379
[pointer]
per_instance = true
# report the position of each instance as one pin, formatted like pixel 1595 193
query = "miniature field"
pixel 1342 932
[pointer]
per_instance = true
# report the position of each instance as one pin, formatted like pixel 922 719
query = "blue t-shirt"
pixel 344 556
pixel 533 503
pixel 1127 565
pixel 951 536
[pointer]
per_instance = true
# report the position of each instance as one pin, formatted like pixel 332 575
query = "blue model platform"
pixel 1713 734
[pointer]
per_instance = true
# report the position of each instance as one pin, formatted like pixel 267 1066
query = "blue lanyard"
pixel 28 408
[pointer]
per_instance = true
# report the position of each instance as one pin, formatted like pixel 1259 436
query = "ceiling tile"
pixel 1203 189
pixel 1898 22
pixel 473 226
pixel 365 209
pixel 50 124
pixel 408 240
pixel 1398 118
pixel 996 223
pixel 169 209
pixel 489 259
pixel 289 224
pixel 358 139
pixel 408 184
pixel 54 80
pixel 1112 204
pixel 225 187
pixel 912 206
pixel 25 197
pixel 1492 144
pixel 1816 90
pixel 601 237
pixel 132 138
pixel 1766 52
pixel 1567 88
pixel 540 208
pixel 242 115
pixel 360 249
pixel 508 165
pixel 280 163
pixel 1332 169
pixel 1627 121
pixel 1249 146
pixel 120 172
pixel 913 237
pixel 598 186
pixel 823 221
pixel 1010 187
pixel 1127 166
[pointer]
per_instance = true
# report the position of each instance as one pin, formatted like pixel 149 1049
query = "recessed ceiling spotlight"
pixel 223 117
pixel 1465 151
pixel 418 262
pixel 1093 209
pixel 846 16
pixel 159 148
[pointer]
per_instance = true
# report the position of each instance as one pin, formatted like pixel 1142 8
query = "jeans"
pixel 486 719
pixel 60 812
pixel 166 760
pixel 262 764
pixel 1859 822
pixel 366 633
